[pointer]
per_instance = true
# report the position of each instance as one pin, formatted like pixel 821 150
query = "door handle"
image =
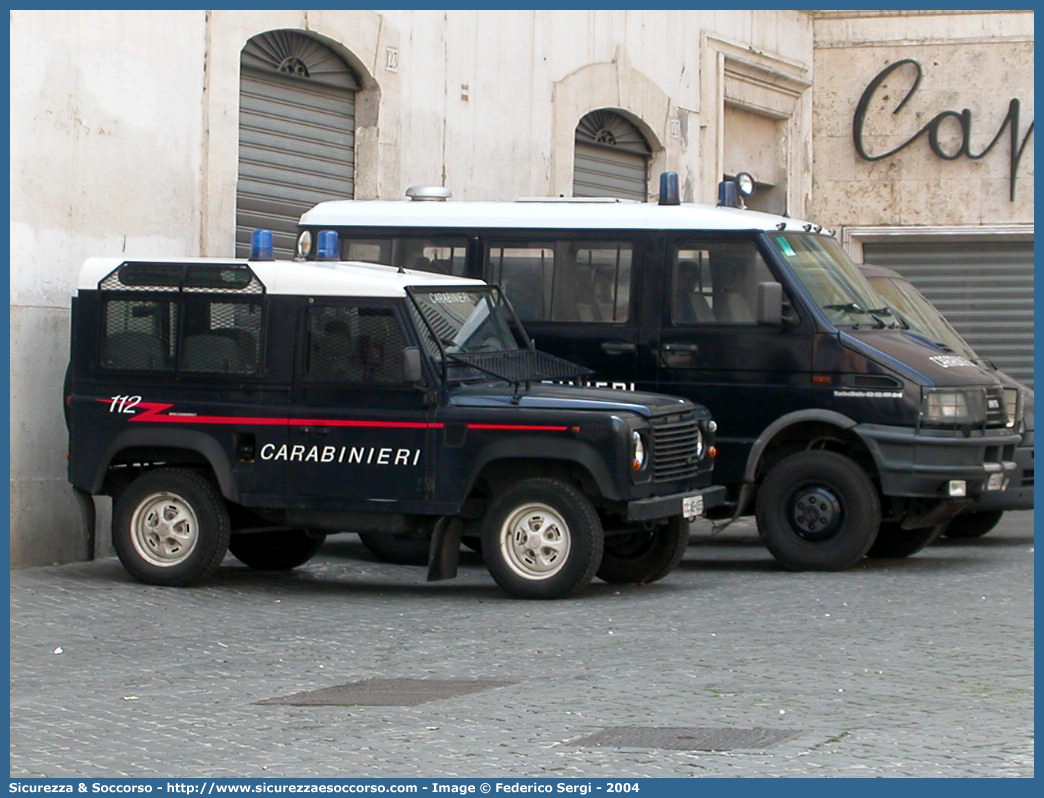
pixel 315 430
pixel 688 348
pixel 618 347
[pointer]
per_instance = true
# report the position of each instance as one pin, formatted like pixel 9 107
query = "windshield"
pixel 920 314
pixel 471 321
pixel 834 282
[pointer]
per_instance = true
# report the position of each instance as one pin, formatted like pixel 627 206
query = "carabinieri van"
pixel 844 434
pixel 257 405
pixel 925 319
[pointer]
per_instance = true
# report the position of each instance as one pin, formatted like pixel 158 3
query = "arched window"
pixel 612 158
pixel 296 134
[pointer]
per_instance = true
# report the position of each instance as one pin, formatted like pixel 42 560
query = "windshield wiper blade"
pixel 847 307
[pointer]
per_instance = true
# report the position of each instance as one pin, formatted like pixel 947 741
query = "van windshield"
pixel 834 282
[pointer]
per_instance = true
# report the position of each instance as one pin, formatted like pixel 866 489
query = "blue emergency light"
pixel 261 245
pixel 669 193
pixel 328 246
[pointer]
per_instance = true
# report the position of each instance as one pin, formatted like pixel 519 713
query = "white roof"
pixel 313 278
pixel 595 213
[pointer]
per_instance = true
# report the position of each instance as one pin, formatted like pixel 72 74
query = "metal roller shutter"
pixel 296 135
pixel 612 158
pixel 985 289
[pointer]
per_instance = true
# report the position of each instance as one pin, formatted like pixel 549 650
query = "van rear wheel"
pixel 398 551
pixel 170 526
pixel 276 551
pixel 541 538
pixel 818 511
pixel 973 525
pixel 646 555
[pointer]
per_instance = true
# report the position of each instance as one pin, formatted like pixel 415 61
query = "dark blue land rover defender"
pixel 255 406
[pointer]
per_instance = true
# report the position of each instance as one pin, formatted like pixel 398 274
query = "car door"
pixel 359 434
pixel 713 351
pixel 574 295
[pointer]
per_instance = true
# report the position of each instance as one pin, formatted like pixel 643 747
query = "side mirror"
pixel 770 304
pixel 411 365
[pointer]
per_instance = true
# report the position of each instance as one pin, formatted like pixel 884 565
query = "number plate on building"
pixel 692 506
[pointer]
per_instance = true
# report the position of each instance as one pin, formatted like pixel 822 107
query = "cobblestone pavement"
pixel 918 667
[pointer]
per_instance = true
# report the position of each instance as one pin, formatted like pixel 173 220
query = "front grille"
pixel 676 445
pixel 996 414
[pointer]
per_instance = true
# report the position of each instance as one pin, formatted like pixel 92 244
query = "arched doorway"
pixel 611 158
pixel 296 134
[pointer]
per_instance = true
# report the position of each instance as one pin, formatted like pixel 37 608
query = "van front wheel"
pixel 818 511
pixel 541 538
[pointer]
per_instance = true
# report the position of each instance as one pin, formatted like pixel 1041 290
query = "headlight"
pixel 638 455
pixel 699 443
pixel 1012 406
pixel 950 406
pixel 304 244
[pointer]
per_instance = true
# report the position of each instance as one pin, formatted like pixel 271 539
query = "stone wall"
pixel 969 67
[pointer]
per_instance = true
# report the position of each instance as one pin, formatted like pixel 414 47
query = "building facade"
pixel 165 133
pixel 923 148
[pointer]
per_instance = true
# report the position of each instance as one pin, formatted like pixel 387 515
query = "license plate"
pixel 995 482
pixel 692 506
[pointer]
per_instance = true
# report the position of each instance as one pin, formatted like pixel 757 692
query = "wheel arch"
pixel 179 447
pixel 805 430
pixel 578 461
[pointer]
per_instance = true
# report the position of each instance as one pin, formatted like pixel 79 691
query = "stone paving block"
pixel 918 667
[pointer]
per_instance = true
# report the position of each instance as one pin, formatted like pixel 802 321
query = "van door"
pixel 713 351
pixel 574 294
pixel 358 431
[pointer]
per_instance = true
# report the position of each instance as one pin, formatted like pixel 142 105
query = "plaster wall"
pixel 105 159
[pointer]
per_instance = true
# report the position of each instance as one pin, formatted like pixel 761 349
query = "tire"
pixel 170 527
pixel 893 541
pixel 818 511
pixel 644 556
pixel 973 525
pixel 275 551
pixel 398 551
pixel 542 539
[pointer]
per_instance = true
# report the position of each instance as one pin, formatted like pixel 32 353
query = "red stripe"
pixel 155 412
pixel 518 427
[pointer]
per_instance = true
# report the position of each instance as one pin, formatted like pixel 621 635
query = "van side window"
pixel 140 335
pixel 568 280
pixel 220 336
pixel 716 282
pixel 441 254
pixel 353 344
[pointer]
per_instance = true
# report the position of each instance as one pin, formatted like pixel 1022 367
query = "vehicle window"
pixel 139 335
pixel 828 274
pixel 717 282
pixel 353 344
pixel 585 281
pixel 220 336
pixel 441 254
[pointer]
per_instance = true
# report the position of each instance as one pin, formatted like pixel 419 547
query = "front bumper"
pixel 669 506
pixel 1019 495
pixel 920 463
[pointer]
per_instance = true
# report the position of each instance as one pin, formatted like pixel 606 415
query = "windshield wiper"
pixel 847 307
